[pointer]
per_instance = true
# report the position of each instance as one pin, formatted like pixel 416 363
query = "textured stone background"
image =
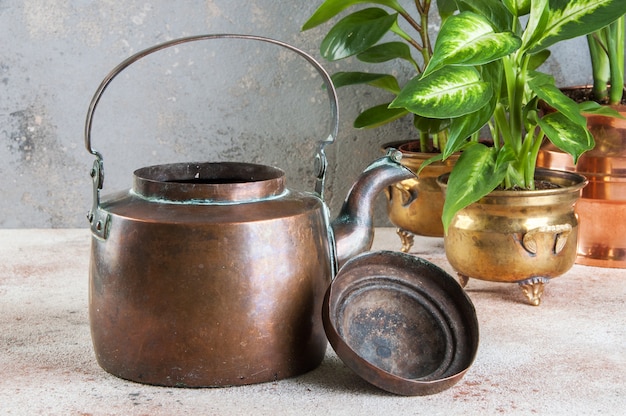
pixel 219 100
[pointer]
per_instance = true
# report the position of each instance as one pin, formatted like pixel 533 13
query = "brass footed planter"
pixel 602 207
pixel 414 205
pixel 524 237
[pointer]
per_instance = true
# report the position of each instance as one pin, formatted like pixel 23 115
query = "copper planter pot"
pixel 524 237
pixel 602 207
pixel 414 205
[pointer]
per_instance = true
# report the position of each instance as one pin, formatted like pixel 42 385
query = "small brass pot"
pixel 525 237
pixel 414 205
pixel 602 207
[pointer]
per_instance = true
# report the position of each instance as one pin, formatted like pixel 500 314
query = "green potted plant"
pixel 484 72
pixel 383 32
pixel 602 208
pixel 606 50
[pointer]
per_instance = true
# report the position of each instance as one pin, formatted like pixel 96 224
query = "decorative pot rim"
pixel 576 183
pixel 417 156
pixel 398 144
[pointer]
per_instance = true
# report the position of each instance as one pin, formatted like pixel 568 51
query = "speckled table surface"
pixel 567 356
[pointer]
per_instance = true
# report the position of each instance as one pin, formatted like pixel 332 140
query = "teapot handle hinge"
pixel 321 165
pixel 99 219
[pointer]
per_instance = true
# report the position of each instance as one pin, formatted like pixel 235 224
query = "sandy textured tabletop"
pixel 564 357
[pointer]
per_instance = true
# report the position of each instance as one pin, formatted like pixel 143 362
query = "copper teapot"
pixel 214 274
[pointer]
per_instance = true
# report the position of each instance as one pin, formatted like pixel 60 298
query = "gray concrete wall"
pixel 215 101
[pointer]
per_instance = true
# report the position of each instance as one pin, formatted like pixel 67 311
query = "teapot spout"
pixel 353 228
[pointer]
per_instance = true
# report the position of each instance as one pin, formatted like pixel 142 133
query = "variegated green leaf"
pixel 378 115
pixel 462 127
pixel 331 8
pixel 568 19
pixel 474 176
pixel 592 107
pixel 469 39
pixel 537 22
pixel 355 33
pixel 383 81
pixel 493 10
pixel 447 93
pixel 568 136
pixel 506 155
pixel 543 86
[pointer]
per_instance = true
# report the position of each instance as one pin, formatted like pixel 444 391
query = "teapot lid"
pixel 401 323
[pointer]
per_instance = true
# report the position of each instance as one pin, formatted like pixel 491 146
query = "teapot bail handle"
pixel 97 172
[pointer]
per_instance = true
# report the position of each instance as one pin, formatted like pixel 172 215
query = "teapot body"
pixel 209 292
pixel 214 274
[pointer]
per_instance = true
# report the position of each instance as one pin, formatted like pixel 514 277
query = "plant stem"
pixel 415 25
pixel 534 152
pixel 500 129
pixel 509 127
pixel 598 53
pixel 527 160
pixel 442 139
pixel 438 140
pixel 424 142
pixel 615 49
pixel 427 50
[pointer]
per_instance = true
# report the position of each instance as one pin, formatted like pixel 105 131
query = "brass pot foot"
pixel 533 289
pixel 406 238
pixel 463 279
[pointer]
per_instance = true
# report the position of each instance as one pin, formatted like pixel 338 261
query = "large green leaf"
pixel 568 19
pixel 493 10
pixel 378 115
pixel 592 107
pixel 469 39
pixel 537 22
pixel 463 127
pixel 568 136
pixel 506 156
pixel 543 86
pixel 356 32
pixel 383 81
pixel 450 92
pixel 474 176
pixel 386 52
pixel 331 8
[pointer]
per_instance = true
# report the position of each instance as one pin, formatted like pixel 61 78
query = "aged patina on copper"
pixel 602 206
pixel 213 274
pixel 401 323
